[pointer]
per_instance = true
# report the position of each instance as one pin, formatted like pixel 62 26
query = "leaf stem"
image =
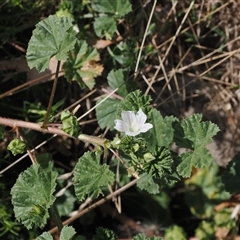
pixel 55 214
pixel 52 95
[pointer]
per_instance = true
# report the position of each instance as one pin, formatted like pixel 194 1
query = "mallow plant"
pixel 142 144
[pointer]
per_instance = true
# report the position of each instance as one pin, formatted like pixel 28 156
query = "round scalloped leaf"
pixel 90 176
pixel 67 233
pixel 133 102
pixel 45 236
pixel 32 195
pixel 54 36
pixel 116 8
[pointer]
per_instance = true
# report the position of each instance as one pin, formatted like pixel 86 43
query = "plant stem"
pixel 92 139
pixel 55 214
pixel 29 125
pixel 52 95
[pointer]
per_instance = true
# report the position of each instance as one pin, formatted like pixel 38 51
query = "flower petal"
pixel 120 125
pixel 132 124
pixel 132 134
pixel 146 127
pixel 128 117
pixel 141 117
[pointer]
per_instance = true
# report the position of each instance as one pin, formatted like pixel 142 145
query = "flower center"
pixel 134 127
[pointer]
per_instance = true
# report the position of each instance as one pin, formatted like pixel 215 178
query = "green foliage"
pixel 106 112
pixel 90 176
pixel 231 176
pixel 205 191
pixel 221 223
pixel 68 8
pixel 105 24
pixel 116 8
pixel 141 236
pixel 38 111
pixel 70 124
pixel 133 102
pixel 147 183
pixel 104 234
pixel 53 36
pixel 45 236
pixel 205 231
pixel 124 53
pixel 6 223
pixel 66 234
pixel 194 135
pixel 118 79
pixel 16 146
pixel 65 203
pixel 155 167
pixel 162 132
pixel 160 164
pixel 38 184
pixel 147 155
pixel 175 232
pixel 223 219
pixel 82 65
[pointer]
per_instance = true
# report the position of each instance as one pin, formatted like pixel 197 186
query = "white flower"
pixel 132 124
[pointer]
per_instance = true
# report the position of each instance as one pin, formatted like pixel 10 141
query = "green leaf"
pixel 195 135
pixel 16 146
pixel 82 65
pixel 90 176
pixel 162 132
pixel 146 183
pixel 133 102
pixel 205 230
pixel 231 176
pixel 118 8
pixel 104 234
pixel 141 236
pixel 161 167
pixel 223 219
pixel 175 232
pixel 32 194
pixel 67 233
pixel 105 26
pixel 53 36
pixel 124 53
pixel 160 164
pixel 70 124
pixel 106 113
pixel 45 236
pixel 65 203
pixel 205 191
pixel 118 79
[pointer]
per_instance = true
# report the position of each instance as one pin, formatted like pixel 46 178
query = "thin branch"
pixel 145 35
pixel 52 95
pixel 29 125
pixel 98 203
